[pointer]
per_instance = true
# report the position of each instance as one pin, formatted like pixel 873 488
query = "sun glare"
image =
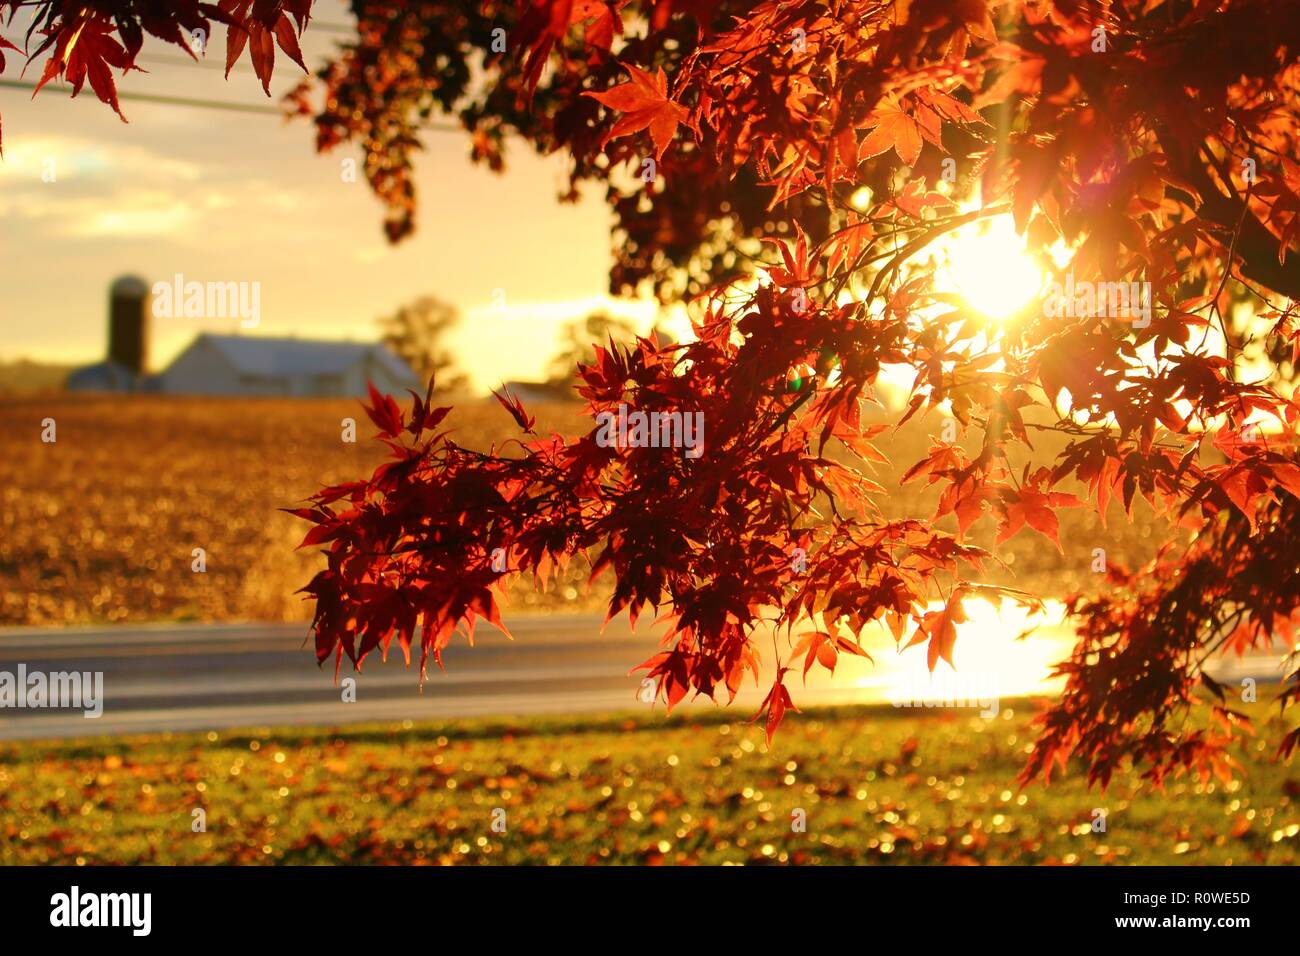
pixel 987 648
pixel 988 265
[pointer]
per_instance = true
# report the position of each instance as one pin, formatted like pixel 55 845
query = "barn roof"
pixel 257 355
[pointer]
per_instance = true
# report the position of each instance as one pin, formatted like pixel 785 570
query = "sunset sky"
pixel 221 196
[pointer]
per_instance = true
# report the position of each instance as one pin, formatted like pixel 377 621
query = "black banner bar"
pixel 487 905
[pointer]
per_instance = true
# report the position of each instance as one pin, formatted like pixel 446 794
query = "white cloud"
pixel 68 187
pixel 28 159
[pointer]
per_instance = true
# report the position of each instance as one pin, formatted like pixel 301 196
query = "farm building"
pixel 248 365
pixel 235 365
pixel 128 342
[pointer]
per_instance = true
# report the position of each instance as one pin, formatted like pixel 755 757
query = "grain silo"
pixel 128 324
pixel 123 369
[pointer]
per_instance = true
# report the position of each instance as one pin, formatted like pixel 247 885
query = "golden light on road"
pixel 988 641
pixel 988 265
pixel 989 658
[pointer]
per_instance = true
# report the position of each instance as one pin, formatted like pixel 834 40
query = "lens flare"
pixel 988 265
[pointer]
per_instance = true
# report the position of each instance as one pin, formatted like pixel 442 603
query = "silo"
pixel 128 323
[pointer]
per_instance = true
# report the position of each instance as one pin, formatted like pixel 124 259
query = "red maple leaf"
pixel 1035 508
pixel 775 704
pixel 384 412
pixel 940 628
pixel 516 409
pixel 644 100
pixel 896 130
pixel 86 51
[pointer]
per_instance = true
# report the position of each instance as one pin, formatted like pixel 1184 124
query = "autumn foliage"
pixel 1148 141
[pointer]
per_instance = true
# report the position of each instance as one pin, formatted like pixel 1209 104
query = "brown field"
pixel 100 526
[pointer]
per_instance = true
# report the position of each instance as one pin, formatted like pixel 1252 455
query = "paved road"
pixel 207 677
pixel 181 677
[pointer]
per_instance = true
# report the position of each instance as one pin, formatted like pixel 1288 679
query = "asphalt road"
pixel 181 677
pixel 213 677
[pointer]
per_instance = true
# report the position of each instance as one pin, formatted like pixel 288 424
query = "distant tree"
pixel 415 332
pixel 23 377
pixel 580 339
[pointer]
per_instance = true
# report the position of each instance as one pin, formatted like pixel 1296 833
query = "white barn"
pixel 256 366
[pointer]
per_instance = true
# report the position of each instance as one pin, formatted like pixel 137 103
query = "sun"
pixel 988 265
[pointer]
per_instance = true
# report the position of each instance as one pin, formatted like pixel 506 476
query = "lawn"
pixel 875 785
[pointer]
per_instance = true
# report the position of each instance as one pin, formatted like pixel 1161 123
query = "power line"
pixel 330 27
pixel 204 63
pixel 201 62
pixel 208 66
pixel 196 103
pixel 211 66
pixel 325 26
pixel 156 98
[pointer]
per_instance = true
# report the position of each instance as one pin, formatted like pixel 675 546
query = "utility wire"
pixel 328 26
pixel 331 27
pixel 156 98
pixel 195 103
pixel 226 105
pixel 210 65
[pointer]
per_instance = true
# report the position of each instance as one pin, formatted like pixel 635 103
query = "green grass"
pixel 878 786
